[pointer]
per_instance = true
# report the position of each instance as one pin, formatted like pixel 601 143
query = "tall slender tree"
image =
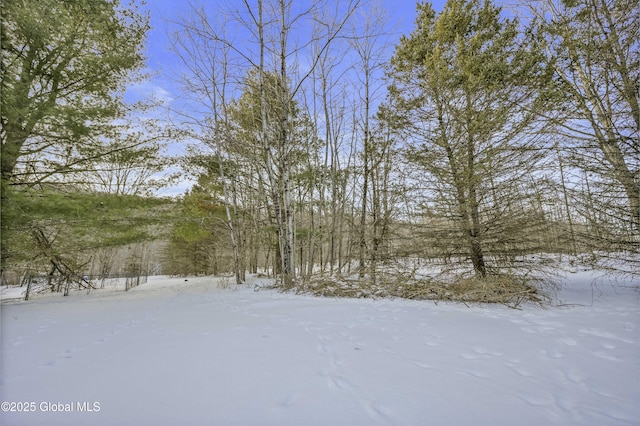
pixel 370 48
pixel 206 84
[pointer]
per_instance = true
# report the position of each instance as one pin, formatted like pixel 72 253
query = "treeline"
pixel 478 140
pixel 320 147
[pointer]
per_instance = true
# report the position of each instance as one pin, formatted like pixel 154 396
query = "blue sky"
pixel 165 67
pixel 163 64
pixel 402 13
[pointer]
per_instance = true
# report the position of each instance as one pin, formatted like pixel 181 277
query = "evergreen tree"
pixel 465 91
pixel 200 243
pixel 59 231
pixel 256 139
pixel 64 64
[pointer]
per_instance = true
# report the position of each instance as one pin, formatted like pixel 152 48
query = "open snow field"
pixel 172 352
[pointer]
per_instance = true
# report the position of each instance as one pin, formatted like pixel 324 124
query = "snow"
pixel 176 352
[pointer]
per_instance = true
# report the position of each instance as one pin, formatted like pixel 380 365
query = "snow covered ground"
pixel 172 352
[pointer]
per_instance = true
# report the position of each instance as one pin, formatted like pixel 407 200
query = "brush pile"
pixel 507 289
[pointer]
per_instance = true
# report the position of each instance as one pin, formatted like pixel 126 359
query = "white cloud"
pixel 149 90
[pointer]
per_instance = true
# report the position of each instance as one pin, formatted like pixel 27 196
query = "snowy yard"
pixel 172 352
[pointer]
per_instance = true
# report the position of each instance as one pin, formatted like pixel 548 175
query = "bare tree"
pixel 371 49
pixel 207 62
pixel 593 47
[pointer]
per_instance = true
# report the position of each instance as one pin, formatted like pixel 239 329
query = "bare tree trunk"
pixel 275 168
pixel 597 43
pixel 287 236
pixel 362 242
pixel 566 200
pixel 232 234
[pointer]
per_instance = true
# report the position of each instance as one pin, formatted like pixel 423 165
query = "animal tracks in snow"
pixel 93 343
pixel 334 379
pixel 335 349
pixel 480 352
pixel 520 369
pixel 604 334
pixel 294 359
